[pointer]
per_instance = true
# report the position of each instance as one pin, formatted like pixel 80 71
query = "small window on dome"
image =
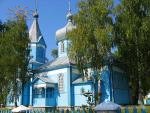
pixel 62 46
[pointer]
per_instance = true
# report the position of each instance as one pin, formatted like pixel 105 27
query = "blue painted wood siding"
pixel 118 87
pixel 121 88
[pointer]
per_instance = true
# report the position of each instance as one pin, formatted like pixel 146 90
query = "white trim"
pixel 33 44
pixel 44 85
pixel 37 45
pixel 40 45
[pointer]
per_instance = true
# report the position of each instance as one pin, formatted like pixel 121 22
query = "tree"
pixel 54 53
pixel 91 40
pixel 131 31
pixel 13 57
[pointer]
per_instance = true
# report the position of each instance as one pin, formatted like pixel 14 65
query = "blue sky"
pixel 52 16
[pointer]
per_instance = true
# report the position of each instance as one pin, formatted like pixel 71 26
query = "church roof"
pixel 45 79
pixel 35 32
pixel 61 33
pixel 80 80
pixel 60 61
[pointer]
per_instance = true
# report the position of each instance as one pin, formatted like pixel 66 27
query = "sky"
pixel 52 16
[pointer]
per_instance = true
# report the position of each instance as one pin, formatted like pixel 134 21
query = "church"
pixel 58 83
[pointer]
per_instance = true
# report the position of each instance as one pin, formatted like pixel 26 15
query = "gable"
pixel 38 81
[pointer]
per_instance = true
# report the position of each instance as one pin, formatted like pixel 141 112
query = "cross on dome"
pixel 61 33
pixel 35 15
pixel 69 5
pixel 69 15
pixel 35 32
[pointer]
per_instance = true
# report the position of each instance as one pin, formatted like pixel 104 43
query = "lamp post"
pixel 110 64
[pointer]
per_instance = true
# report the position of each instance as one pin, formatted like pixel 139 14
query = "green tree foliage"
pixel 54 53
pixel 132 37
pixel 13 58
pixel 91 40
pixel 130 32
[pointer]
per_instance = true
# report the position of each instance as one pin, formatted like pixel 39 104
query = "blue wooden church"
pixel 58 83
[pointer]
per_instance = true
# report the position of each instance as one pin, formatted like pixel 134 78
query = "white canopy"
pixel 107 106
pixel 20 108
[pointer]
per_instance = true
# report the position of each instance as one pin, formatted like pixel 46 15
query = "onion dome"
pixel 61 33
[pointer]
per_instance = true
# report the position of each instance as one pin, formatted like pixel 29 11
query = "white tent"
pixel 20 108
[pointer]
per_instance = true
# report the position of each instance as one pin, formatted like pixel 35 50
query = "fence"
pixel 123 110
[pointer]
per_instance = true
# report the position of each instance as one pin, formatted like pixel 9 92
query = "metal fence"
pixel 123 110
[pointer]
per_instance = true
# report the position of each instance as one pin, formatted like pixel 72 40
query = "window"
pixel 40 54
pixel 39 92
pixel 62 47
pixel 61 82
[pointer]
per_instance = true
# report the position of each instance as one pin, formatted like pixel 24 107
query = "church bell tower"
pixel 37 43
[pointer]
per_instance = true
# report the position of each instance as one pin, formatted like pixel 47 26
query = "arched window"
pixel 62 47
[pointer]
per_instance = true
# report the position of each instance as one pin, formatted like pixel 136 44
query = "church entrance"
pixel 43 95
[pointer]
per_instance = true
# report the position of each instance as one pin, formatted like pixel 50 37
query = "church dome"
pixel 61 33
